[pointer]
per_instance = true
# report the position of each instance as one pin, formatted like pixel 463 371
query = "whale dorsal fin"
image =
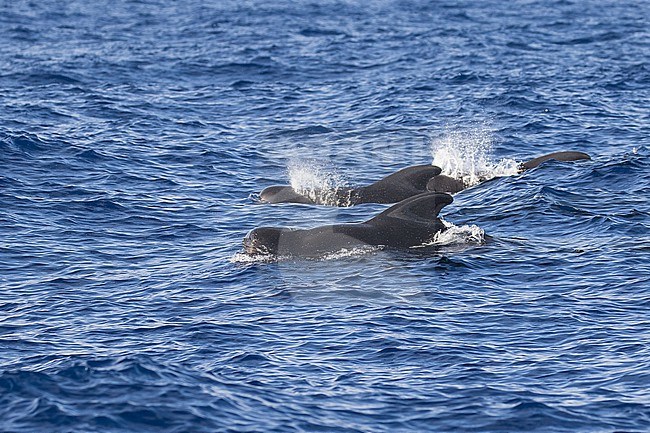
pixel 407 182
pixel 558 156
pixel 415 176
pixel 422 207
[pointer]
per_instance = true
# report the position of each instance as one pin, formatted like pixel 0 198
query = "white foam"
pixel 314 180
pixel 465 154
pixel 456 235
pixel 465 234
pixel 248 258
pixel 352 252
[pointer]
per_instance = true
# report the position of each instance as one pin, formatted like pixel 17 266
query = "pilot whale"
pixel 398 186
pixel 409 223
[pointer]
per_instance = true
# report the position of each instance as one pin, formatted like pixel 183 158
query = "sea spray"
pixel 316 181
pixel 465 154
pixel 465 234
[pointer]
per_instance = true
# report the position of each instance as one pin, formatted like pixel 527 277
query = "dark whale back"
pixel 406 224
pixel 405 183
pixel 419 209
pixel 398 186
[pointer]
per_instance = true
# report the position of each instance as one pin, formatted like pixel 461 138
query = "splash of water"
pixel 454 235
pixel 465 155
pixel 316 181
pixel 352 252
pixel 244 258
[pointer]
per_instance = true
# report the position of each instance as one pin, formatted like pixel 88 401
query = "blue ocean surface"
pixel 136 135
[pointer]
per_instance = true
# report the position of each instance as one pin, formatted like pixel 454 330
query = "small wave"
pixel 314 180
pixel 316 32
pixel 307 131
pixel 465 155
pixel 47 78
pixel 90 155
pixel 29 144
pixel 242 84
pixel 602 37
pixel 98 204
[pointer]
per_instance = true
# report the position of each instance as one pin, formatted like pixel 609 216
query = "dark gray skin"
pixel 409 223
pixel 442 183
pixel 557 156
pixel 396 187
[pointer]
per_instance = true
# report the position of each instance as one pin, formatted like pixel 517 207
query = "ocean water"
pixel 135 135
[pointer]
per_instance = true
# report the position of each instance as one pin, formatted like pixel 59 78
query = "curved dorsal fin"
pixel 422 207
pixel 415 176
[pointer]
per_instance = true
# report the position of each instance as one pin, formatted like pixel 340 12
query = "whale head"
pixel 442 183
pixel 262 241
pixel 282 194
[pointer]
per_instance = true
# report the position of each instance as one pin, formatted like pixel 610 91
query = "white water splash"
pixel 352 252
pixel 245 258
pixel 248 258
pixel 465 155
pixel 315 181
pixel 455 235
